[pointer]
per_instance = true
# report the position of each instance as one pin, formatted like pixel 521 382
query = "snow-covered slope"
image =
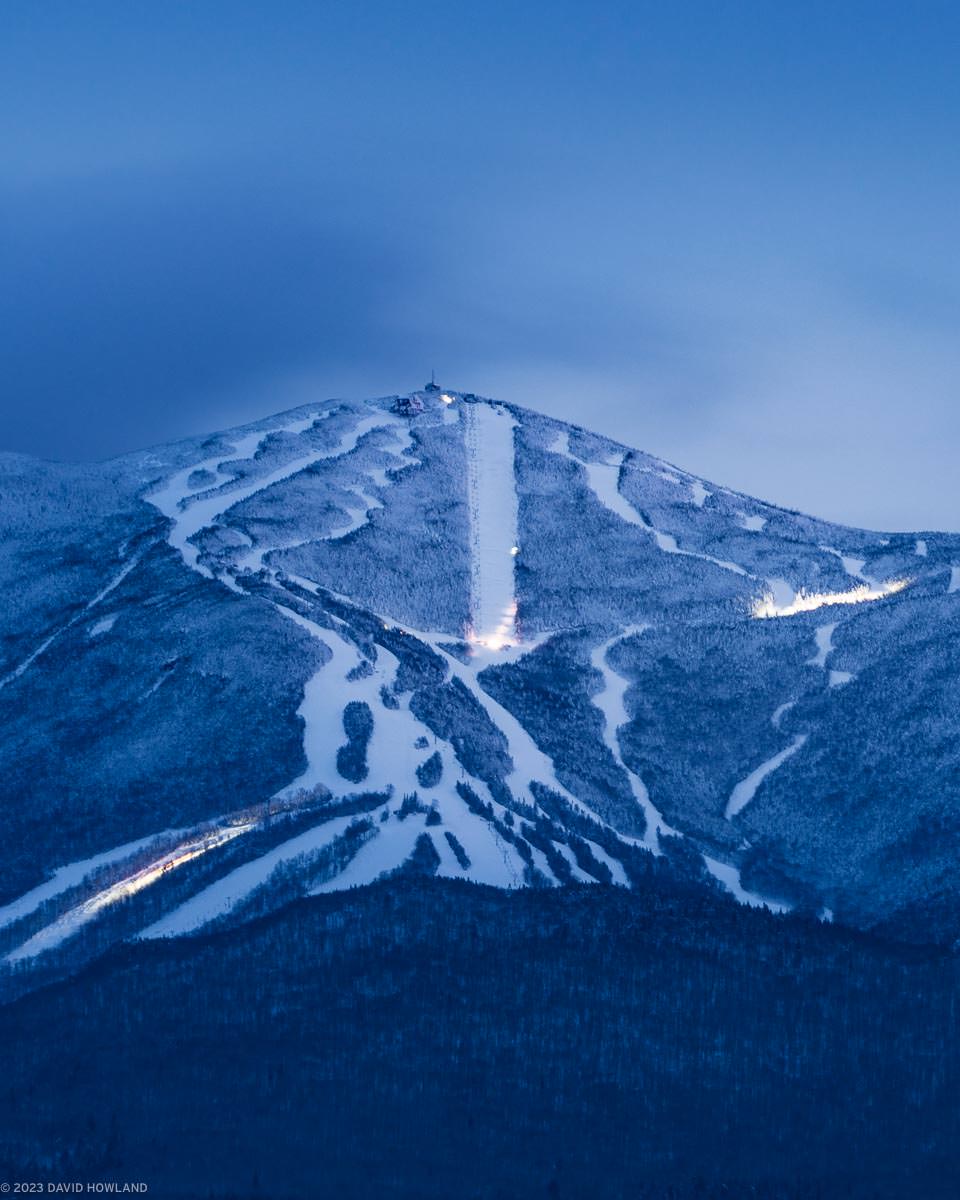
pixel 446 635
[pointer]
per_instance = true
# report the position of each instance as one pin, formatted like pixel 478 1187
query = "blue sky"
pixel 723 232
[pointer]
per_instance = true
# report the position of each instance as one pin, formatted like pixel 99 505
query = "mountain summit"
pixel 443 635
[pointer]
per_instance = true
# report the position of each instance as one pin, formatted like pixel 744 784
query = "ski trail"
pixel 383 853
pixel 773 605
pixel 746 789
pixel 780 712
pixel 48 642
pixel 72 921
pixel 72 875
pixel 104 625
pixel 612 704
pixel 604 481
pixel 363 502
pixel 530 764
pixel 824 639
pixel 852 566
pixel 203 512
pixel 392 753
pixel 730 878
pixel 954 584
pixel 823 636
pixel 223 895
pixel 492 502
pixel 698 493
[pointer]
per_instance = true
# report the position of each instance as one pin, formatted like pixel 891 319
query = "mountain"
pixel 439 635
pixel 650 788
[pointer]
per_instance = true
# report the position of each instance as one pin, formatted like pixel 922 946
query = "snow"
pixel 954 585
pixel 746 789
pixel 780 712
pixel 824 639
pixel 177 490
pixel 72 921
pixel 393 757
pixel 921 548
pixel 104 625
pixel 358 513
pixel 852 566
pixel 542 864
pixel 604 481
pixel 770 605
pixel 529 761
pixel 388 849
pixel 579 874
pixel 111 586
pixel 70 876
pixel 616 868
pixel 698 493
pixel 560 443
pixel 729 876
pixel 753 523
pixel 823 635
pixel 782 592
pixel 492 860
pixel 188 519
pixel 493 506
pixel 611 702
pixel 222 896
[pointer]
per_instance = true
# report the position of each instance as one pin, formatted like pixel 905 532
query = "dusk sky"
pixel 723 232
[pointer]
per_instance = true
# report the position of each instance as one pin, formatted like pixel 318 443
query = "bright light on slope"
pixel 504 635
pixel 767 605
pixel 446 399
pixel 70 922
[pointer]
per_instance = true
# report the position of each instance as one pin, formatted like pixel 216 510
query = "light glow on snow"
pixel 768 606
pixel 75 918
pixel 503 636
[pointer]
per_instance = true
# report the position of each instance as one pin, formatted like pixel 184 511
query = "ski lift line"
pixel 493 510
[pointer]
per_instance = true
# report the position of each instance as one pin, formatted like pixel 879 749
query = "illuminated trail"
pixel 768 605
pixel 72 921
pixel 492 503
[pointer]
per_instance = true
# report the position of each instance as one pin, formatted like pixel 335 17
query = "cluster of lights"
pixel 767 606
pixel 75 918
pixel 503 636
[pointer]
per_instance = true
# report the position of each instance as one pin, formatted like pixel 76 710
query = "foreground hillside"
pixel 439 1040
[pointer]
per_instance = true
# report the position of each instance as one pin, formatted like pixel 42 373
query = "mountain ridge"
pixel 462 634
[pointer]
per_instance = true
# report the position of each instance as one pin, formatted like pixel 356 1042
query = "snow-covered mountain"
pixel 446 635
